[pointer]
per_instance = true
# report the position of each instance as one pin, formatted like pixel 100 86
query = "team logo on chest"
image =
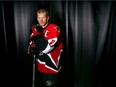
pixel 46 33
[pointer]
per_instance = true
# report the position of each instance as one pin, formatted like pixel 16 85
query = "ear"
pixel 47 17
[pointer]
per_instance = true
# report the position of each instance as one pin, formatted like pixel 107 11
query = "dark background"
pixel 89 35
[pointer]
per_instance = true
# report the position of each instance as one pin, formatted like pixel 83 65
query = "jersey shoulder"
pixel 54 26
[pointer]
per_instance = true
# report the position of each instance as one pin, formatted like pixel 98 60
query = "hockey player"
pixel 47 45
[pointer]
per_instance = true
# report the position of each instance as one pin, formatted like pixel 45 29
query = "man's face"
pixel 42 19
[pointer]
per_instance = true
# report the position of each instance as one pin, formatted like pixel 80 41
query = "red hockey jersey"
pixel 50 61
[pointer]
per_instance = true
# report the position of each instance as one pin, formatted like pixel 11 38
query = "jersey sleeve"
pixel 51 34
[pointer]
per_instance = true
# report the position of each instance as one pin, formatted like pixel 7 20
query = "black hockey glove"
pixel 40 43
pixel 38 28
pixel 32 50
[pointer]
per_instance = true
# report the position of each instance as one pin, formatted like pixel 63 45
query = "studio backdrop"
pixel 89 36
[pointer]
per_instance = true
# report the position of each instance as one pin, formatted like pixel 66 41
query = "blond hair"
pixel 42 11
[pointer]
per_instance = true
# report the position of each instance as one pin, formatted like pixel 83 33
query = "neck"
pixel 45 25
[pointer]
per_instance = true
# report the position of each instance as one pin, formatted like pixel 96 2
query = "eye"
pixel 43 18
pixel 39 18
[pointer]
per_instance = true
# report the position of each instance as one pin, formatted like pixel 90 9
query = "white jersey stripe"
pixel 48 49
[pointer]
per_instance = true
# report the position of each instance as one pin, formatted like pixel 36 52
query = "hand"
pixel 38 28
pixel 32 49
pixel 40 53
pixel 34 36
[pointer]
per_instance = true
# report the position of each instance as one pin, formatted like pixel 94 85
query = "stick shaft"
pixel 33 80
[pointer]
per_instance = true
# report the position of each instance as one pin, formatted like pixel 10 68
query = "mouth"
pixel 41 22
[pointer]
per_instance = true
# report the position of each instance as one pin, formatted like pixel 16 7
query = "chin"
pixel 42 24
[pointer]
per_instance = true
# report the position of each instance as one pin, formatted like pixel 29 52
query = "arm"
pixel 36 32
pixel 52 36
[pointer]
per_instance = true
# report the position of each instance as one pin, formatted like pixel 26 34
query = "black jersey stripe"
pixel 46 59
pixel 51 68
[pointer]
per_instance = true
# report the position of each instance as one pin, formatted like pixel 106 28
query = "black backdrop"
pixel 89 35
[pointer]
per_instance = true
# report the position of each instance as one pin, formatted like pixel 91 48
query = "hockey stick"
pixel 33 80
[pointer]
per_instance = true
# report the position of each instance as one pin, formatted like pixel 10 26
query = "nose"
pixel 41 19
